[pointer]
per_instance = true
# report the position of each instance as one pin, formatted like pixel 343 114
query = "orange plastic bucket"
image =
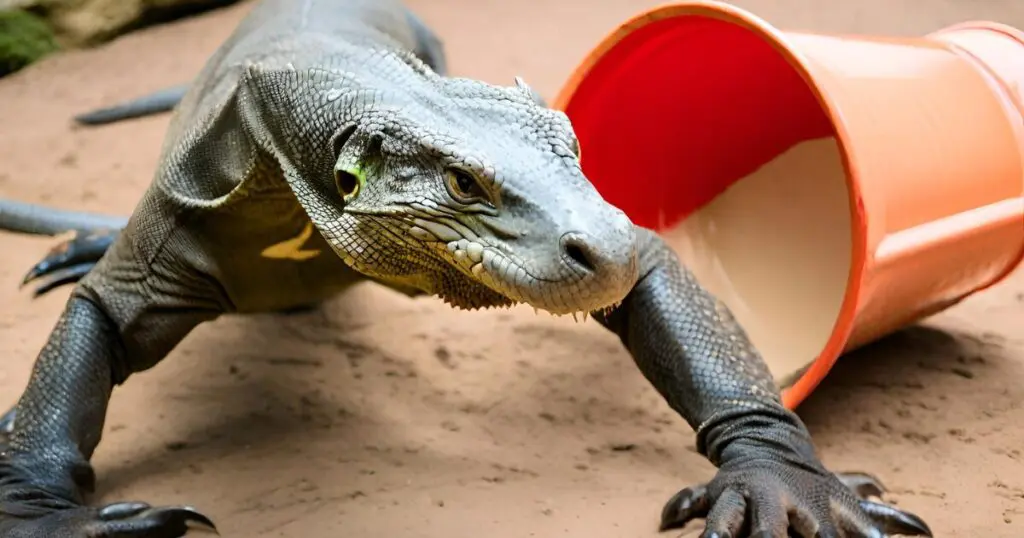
pixel 830 189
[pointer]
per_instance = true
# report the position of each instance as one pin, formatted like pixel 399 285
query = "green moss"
pixel 24 38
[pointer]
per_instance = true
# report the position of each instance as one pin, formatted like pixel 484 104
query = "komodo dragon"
pixel 327 126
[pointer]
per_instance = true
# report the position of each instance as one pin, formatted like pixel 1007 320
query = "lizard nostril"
pixel 578 251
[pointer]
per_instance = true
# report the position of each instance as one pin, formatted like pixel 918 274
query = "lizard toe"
pixel 727 516
pixel 6 429
pixel 60 277
pixel 7 421
pixel 118 520
pixel 689 504
pixel 139 520
pixel 892 520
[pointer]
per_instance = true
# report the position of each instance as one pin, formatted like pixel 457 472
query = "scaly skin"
pixel 316 117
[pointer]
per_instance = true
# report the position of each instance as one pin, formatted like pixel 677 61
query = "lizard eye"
pixel 347 183
pixel 464 187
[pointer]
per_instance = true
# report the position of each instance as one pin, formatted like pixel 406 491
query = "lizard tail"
pixel 162 101
pixel 41 220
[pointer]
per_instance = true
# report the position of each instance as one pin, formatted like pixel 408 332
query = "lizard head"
pixel 468 191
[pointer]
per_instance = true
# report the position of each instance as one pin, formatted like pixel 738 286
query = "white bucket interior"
pixel 776 247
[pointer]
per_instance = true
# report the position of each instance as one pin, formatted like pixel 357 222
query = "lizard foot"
pixel 70 260
pixel 27 511
pixel 781 506
pixel 119 520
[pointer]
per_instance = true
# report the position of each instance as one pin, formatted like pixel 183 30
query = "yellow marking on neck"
pixel 291 249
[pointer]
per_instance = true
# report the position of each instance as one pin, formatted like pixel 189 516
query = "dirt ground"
pixel 385 416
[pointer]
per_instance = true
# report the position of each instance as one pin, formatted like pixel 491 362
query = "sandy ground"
pixel 384 416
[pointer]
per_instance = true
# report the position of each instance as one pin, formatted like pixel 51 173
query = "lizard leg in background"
pixel 70 260
pixel 87 236
pixel 124 317
pixel 688 345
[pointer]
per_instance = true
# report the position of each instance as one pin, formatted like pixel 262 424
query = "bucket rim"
pixel 807 381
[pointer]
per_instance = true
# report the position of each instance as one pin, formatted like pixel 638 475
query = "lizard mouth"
pixel 573 273
pixel 566 292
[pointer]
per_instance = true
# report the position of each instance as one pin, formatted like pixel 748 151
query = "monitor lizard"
pixel 323 144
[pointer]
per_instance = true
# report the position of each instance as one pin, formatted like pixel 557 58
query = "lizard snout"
pixel 585 253
pixel 604 258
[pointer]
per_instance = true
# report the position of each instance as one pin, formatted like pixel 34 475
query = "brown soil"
pixel 384 416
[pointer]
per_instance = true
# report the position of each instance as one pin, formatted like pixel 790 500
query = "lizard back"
pixel 220 204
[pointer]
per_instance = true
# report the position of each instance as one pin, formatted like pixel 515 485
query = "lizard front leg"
pixel 770 481
pixel 124 318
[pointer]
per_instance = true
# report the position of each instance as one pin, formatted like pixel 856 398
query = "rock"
pixel 24 38
pixel 79 23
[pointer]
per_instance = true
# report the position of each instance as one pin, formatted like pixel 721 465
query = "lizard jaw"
pixel 567 294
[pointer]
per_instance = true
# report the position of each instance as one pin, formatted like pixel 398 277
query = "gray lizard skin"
pixel 328 128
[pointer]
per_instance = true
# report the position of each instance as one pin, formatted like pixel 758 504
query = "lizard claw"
pixel 895 521
pixel 59 277
pixel 131 519
pixel 119 520
pixel 70 260
pixel 30 511
pixel 689 504
pixel 7 421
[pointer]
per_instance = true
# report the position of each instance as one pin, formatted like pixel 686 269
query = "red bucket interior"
pixel 680 109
